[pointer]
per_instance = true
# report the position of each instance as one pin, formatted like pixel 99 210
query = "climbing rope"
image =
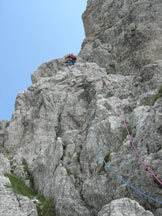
pixel 117 176
pixel 131 141
pixel 92 116
pixel 89 124
pixel 108 166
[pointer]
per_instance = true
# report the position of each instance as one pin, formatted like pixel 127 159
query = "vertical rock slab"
pixel 122 36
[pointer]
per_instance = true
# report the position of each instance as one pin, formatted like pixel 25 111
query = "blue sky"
pixel 33 32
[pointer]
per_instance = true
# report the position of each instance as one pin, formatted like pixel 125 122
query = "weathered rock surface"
pixel 158 212
pixel 10 203
pixel 64 162
pixel 123 207
pixel 49 127
pixel 5 165
pixel 3 126
pixel 122 35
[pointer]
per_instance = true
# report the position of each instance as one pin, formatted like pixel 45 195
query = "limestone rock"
pixel 124 207
pixel 5 164
pixel 158 212
pixel 122 36
pixel 27 206
pixel 53 117
pixel 68 200
pixel 11 204
pixel 3 125
pixel 119 68
pixel 49 69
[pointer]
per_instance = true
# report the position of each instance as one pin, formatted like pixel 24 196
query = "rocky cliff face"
pixel 123 35
pixel 48 142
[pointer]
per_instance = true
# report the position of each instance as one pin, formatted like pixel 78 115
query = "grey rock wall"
pixel 123 207
pixel 64 162
pixel 122 35
pixel 10 203
pixel 3 125
pixel 49 128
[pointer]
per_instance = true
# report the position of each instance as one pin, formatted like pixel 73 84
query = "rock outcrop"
pixel 48 143
pixel 3 126
pixel 123 35
pixel 11 203
pixel 123 207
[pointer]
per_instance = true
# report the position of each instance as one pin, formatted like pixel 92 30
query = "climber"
pixel 74 58
pixel 70 59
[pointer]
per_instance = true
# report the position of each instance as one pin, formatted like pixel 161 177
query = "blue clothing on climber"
pixel 70 59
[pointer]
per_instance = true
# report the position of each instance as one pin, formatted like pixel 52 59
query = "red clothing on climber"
pixel 70 59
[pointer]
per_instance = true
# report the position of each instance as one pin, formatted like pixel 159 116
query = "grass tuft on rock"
pixel 146 102
pixel 107 156
pixel 125 133
pixel 107 159
pixel 25 165
pixel 151 101
pixel 19 187
pixel 157 96
pixel 26 169
pixel 45 207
